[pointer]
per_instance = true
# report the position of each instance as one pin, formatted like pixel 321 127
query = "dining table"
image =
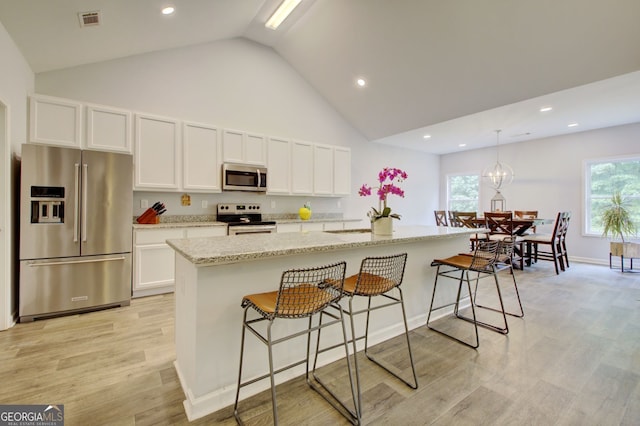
pixel 520 226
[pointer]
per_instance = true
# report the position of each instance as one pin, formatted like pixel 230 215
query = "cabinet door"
pixel 157 153
pixel 201 167
pixel 108 129
pixel 301 167
pixel 341 170
pixel 322 169
pixel 55 121
pixel 154 267
pixel 232 146
pixel 279 166
pixel 312 226
pixel 255 149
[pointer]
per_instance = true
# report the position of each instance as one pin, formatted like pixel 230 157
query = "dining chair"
pixel 550 246
pixel 452 219
pixel 303 293
pixel 526 214
pixel 468 220
pixel 441 217
pixel 464 268
pixel 501 226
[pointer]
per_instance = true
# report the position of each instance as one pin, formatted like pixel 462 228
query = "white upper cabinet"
pixel 279 166
pixel 301 168
pixel 201 166
pixel 108 129
pixel 55 121
pixel 341 170
pixel 322 169
pixel 157 153
pixel 244 148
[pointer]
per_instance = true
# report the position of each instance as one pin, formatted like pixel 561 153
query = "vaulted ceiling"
pixel 455 70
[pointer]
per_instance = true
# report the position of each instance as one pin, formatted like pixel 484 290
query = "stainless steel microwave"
pixel 243 177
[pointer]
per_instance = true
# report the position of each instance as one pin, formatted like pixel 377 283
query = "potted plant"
pixel 617 222
pixel 381 218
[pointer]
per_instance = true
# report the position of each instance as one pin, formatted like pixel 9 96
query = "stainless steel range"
pixel 244 219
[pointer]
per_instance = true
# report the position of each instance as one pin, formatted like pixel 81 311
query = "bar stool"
pixel 504 261
pixel 460 267
pixel 303 293
pixel 378 276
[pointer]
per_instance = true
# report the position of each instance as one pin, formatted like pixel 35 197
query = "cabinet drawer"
pixel 333 226
pixel 156 236
pixel 209 231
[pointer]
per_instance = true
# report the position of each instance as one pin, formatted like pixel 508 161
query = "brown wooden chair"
pixel 550 246
pixel 303 293
pixel 441 217
pixel 526 214
pixel 452 219
pixel 501 226
pixel 468 220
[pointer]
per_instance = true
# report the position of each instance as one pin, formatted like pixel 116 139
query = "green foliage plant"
pixel 616 219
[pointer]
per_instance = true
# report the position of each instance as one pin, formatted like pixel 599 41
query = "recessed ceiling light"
pixel 573 125
pixel 546 109
pixel 281 13
pixel 426 137
pixel 168 10
pixel 462 145
pixel 361 82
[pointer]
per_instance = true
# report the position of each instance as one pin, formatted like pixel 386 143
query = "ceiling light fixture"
pixel 497 176
pixel 546 109
pixel 573 125
pixel 361 82
pixel 426 137
pixel 168 10
pixel 281 13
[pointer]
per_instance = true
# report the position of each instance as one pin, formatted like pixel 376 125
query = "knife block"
pixel 149 217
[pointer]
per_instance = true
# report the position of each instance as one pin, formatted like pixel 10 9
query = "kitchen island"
pixel 213 274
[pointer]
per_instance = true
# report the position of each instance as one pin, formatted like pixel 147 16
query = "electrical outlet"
pixel 205 204
pixel 144 204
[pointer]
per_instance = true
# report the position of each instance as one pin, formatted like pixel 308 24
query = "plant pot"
pixel 628 250
pixel 382 226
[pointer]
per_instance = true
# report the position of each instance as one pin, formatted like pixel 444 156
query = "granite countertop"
pixel 238 248
pixel 317 220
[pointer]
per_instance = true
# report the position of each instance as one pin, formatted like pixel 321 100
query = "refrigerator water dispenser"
pixel 47 204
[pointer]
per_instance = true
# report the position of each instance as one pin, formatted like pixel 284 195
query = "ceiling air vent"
pixel 89 19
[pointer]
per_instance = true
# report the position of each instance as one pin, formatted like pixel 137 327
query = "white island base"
pixel 213 274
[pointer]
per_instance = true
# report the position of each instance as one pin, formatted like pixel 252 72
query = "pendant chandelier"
pixel 497 176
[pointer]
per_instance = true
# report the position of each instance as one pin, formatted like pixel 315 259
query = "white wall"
pixel 243 85
pixel 16 82
pixel 549 177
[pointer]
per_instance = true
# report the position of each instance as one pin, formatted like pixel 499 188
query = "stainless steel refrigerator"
pixel 75 230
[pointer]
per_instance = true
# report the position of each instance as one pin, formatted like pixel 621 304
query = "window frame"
pixel 448 189
pixel 586 199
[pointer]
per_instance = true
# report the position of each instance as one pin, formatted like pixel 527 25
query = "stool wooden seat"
pixel 303 293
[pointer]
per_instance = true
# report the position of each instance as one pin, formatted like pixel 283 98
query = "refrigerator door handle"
pixel 76 207
pixel 85 179
pixel 73 262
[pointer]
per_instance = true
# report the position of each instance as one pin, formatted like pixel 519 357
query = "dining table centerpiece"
pixel 382 217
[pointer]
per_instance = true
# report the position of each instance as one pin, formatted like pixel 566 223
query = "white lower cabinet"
pixel 154 260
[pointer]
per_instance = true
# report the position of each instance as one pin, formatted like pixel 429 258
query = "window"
pixel 603 178
pixel 463 193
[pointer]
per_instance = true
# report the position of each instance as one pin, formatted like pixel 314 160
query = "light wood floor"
pixel 573 360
